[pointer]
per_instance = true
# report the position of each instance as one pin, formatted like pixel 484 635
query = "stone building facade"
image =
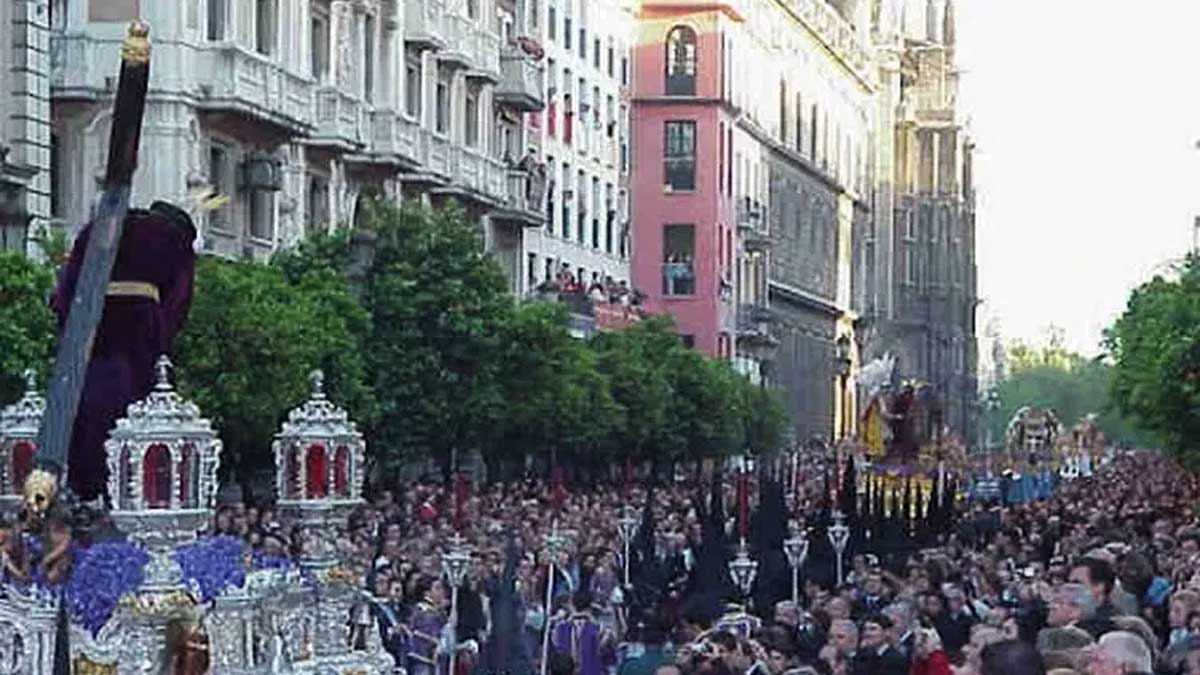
pixel 300 109
pixel 25 157
pixel 916 281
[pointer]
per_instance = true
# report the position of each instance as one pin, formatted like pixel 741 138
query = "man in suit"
pixel 876 655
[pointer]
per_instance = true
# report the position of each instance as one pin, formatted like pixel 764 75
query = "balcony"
pixel 394 138
pixel 612 308
pixel 239 82
pixel 459 52
pixel 521 78
pixel 340 119
pixel 524 197
pixel 474 177
pixel 423 24
pixel 485 55
pixel 752 225
pixel 754 324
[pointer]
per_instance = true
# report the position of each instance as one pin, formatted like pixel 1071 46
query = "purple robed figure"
pixel 425 627
pixel 145 306
pixel 582 637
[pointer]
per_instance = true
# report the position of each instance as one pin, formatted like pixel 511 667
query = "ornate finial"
pixel 136 47
pixel 317 378
pixel 30 381
pixel 162 371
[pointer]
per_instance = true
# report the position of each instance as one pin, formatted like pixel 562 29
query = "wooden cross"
pixel 87 305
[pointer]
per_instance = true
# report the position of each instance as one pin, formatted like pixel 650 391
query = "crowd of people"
pixel 1100 577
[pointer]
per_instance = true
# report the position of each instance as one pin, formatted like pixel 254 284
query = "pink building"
pixel 682 179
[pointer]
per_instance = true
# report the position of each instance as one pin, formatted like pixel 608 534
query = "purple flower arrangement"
pixel 103 573
pixel 266 561
pixel 212 564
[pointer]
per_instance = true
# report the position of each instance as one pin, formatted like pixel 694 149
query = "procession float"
pixel 110 564
pixel 1032 435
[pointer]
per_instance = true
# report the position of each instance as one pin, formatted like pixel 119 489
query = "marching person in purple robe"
pixel 584 639
pixel 146 304
pixel 426 624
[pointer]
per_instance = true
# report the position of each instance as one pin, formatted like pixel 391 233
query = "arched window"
pixel 341 472
pixel 22 464
pixel 681 62
pixel 317 472
pixel 156 477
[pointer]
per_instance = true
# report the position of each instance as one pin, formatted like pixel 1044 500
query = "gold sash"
pixel 133 289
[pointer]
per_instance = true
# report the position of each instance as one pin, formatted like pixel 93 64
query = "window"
pixel 534 12
pixel 679 151
pixel 471 133
pixel 369 58
pixel 472 9
pixel 783 112
pixel 910 269
pixel 318 203
pixel 611 60
pixel 812 136
pixel 596 53
pixel 412 86
pixel 264 27
pixel 262 215
pixel 320 46
pixel 217 13
pixel 56 188
pixel 679 254
pixel 567 33
pixel 721 158
pixel 688 341
pixel 219 178
pixel 531 270
pixel 442 125
pixel 624 71
pixel 583 43
pixel 799 123
pixel 681 62
pixel 551 22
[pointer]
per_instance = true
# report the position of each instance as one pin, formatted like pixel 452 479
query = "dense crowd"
pixel 1101 577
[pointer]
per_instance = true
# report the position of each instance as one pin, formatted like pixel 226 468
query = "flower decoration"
pixel 103 574
pixel 266 561
pixel 211 565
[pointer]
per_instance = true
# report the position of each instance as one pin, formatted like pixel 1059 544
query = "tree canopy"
pixel 26 322
pixel 1155 350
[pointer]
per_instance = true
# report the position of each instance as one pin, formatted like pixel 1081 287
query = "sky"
pixel 1086 114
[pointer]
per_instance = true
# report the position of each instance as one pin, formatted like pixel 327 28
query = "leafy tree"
pixel 765 418
pixel 437 303
pixel 1050 376
pixel 1155 350
pixel 26 322
pixel 555 398
pixel 250 343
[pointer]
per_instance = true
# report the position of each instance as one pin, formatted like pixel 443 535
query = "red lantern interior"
pixel 156 477
pixel 341 471
pixel 22 463
pixel 316 466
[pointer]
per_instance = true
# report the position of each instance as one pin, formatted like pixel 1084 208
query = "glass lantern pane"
pixel 156 477
pixel 317 472
pixel 22 463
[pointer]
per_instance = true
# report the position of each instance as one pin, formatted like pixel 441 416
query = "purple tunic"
pixel 133 333
pixel 581 637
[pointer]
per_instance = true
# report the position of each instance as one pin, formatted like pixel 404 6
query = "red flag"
pixel 462 492
pixel 743 504
pixel 558 489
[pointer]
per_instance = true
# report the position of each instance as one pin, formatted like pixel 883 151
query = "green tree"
pixel 437 303
pixel 26 322
pixel 1050 376
pixel 555 398
pixel 765 418
pixel 1155 350
pixel 251 341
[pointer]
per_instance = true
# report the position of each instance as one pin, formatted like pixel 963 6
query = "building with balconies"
pixel 298 109
pixel 917 286
pixel 584 143
pixel 754 122
pixel 25 164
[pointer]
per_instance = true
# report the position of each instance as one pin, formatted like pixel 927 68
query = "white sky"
pixel 1086 114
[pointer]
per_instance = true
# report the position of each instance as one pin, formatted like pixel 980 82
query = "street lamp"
pixel 627 526
pixel 743 569
pixel 839 536
pixel 456 562
pixel 795 548
pixel 842 363
pixel 555 545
